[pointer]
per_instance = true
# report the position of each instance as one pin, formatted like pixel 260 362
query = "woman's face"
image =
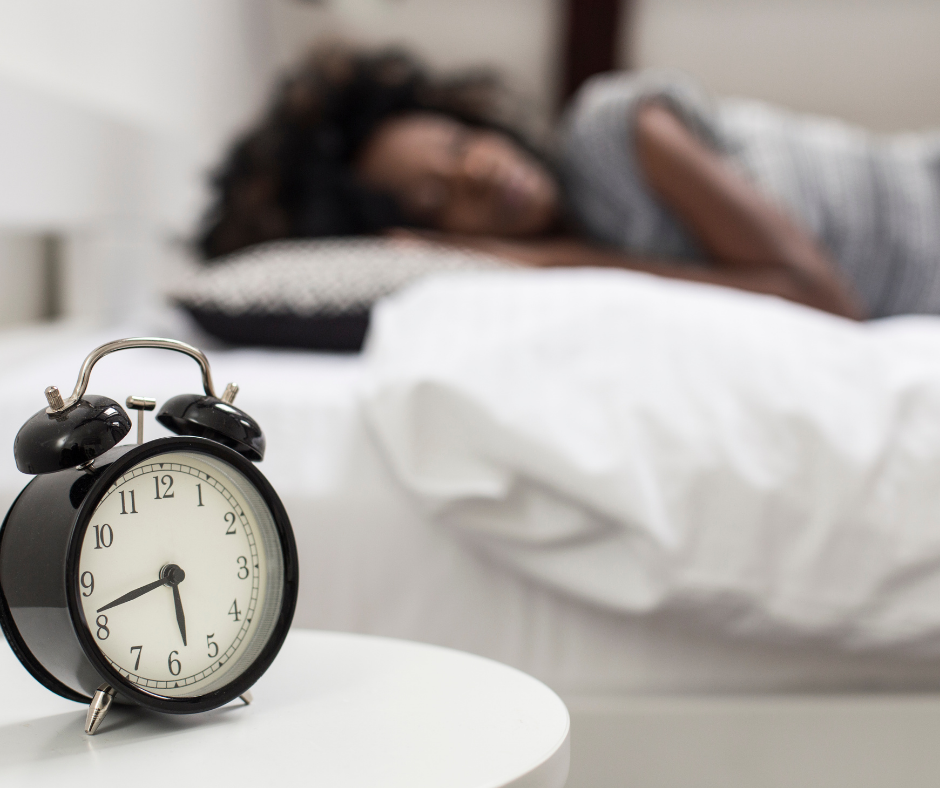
pixel 459 178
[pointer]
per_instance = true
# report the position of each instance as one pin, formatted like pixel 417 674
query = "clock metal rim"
pixel 241 683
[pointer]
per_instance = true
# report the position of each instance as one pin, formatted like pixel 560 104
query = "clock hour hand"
pixel 180 618
pixel 173 576
pixel 133 594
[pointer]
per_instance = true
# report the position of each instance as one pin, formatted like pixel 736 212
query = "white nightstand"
pixel 334 711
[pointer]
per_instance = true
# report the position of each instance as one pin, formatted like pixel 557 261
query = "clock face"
pixel 180 574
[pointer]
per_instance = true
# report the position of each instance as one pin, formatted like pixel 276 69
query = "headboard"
pixel 596 39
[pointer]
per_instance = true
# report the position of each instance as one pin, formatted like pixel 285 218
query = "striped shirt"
pixel 873 202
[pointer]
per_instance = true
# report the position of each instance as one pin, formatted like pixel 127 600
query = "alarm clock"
pixel 161 573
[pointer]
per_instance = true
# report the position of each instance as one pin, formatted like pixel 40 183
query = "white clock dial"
pixel 179 574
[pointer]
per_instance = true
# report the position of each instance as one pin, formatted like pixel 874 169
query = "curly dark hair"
pixel 291 176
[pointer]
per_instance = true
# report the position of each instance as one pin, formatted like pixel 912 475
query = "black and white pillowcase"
pixel 314 294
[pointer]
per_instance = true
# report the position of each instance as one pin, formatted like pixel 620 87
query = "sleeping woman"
pixel 648 175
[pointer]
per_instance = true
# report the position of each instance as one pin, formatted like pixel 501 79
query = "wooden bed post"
pixel 591 32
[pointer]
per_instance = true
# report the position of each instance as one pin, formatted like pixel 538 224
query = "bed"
pixel 375 559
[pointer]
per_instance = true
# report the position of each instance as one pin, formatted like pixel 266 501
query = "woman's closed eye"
pixel 428 200
pixel 457 148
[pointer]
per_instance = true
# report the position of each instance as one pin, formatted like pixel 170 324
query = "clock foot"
pixel 98 708
pixel 246 697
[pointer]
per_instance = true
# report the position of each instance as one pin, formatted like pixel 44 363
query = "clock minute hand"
pixel 133 594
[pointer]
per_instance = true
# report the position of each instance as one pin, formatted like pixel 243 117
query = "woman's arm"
pixel 568 253
pixel 739 229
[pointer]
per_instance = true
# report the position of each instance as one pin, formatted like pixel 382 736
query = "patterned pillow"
pixel 313 294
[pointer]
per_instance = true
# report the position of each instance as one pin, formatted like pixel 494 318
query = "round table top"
pixel 333 710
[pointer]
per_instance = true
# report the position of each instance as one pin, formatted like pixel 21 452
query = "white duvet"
pixel 651 445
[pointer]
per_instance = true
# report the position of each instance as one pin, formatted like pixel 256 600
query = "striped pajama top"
pixel 873 202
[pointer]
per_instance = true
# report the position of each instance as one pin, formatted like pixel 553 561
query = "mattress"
pixel 373 561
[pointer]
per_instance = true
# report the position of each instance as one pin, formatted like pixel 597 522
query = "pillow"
pixel 653 445
pixel 313 294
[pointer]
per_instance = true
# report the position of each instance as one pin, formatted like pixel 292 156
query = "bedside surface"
pixel 333 710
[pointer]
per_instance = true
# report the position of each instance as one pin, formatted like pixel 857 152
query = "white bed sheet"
pixel 650 445
pixel 372 561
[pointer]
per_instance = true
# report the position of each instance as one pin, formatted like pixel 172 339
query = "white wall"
pixel 873 62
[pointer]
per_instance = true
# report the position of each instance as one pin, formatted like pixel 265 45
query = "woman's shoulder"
pixel 607 103
pixel 604 187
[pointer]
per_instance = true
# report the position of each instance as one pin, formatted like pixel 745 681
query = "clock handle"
pixel 73 432
pixel 57 404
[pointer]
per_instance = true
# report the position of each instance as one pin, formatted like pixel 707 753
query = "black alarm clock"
pixel 161 574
